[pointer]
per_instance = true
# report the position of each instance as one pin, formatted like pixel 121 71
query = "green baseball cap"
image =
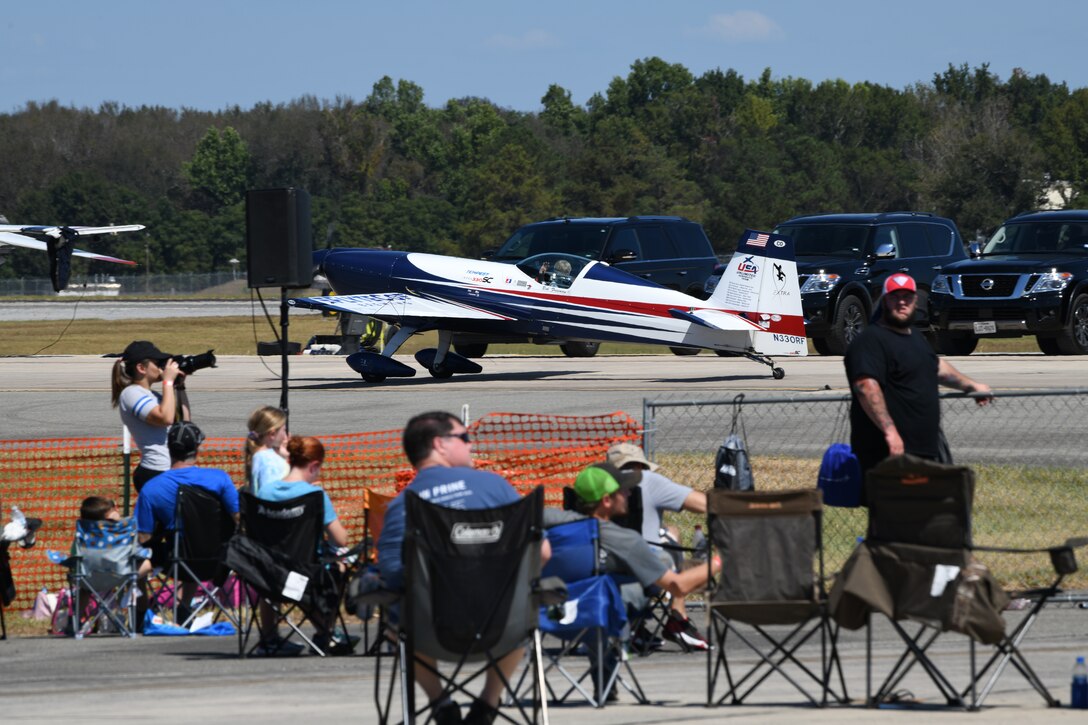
pixel 598 480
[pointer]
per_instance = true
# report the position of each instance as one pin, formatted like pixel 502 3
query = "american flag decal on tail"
pixel 758 240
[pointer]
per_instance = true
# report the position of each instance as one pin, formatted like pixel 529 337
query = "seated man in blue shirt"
pixel 440 450
pixel 158 498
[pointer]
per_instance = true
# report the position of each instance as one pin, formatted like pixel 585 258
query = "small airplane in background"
pixel 59 243
pixel 755 312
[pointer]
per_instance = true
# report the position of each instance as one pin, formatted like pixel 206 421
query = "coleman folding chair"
pixel 472 595
pixel 917 564
pixel 770 544
pixel 278 554
pixel 593 616
pixel 197 548
pixel 102 577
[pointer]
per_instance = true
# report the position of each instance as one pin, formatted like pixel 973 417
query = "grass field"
pixel 239 336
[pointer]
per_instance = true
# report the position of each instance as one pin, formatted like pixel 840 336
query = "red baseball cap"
pixel 899 281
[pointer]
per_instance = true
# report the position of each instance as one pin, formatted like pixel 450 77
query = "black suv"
pixel 843 260
pixel 669 250
pixel 1031 278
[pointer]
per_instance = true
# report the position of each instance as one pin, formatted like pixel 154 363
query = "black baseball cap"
pixel 183 439
pixel 141 350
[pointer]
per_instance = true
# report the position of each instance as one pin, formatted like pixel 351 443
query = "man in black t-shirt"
pixel 893 375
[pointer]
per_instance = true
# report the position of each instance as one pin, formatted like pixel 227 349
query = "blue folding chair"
pixel 593 616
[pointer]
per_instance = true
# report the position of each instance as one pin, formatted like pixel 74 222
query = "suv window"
pixel 887 235
pixel 1041 237
pixel 826 240
pixel 913 241
pixel 654 243
pixel 690 240
pixel 581 239
pixel 623 239
pixel 940 239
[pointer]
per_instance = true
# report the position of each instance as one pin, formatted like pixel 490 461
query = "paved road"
pixel 105 309
pixel 63 396
pixel 199 680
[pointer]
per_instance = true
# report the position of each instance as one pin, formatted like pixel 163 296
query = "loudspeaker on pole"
pixel 279 239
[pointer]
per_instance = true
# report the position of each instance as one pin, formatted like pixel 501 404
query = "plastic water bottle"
pixel 1079 696
pixel 17 515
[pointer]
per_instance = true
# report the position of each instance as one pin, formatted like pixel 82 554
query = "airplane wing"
pixel 55 231
pixel 21 240
pixel 395 306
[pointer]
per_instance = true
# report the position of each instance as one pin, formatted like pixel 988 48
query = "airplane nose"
pixel 359 271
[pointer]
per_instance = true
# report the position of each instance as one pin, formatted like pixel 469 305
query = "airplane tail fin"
pixel 760 284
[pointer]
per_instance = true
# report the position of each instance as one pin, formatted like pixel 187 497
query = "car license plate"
pixel 985 328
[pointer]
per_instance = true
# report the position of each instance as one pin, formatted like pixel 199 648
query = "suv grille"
pixel 1003 285
pixel 985 313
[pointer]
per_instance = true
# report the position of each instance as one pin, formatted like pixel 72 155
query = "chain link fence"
pixel 1027 450
pixel 120 285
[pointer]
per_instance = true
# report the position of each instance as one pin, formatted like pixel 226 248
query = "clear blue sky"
pixel 210 55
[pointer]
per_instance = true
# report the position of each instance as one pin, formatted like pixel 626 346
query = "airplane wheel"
pixel 470 349
pixel 575 348
pixel 372 378
pixel 684 351
pixel 726 353
pixel 441 372
pixel 778 373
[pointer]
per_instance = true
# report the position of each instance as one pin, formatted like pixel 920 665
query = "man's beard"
pixel 891 321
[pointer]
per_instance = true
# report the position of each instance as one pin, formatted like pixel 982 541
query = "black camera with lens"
pixel 189 364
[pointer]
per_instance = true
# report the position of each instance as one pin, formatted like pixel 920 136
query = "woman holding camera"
pixel 146 413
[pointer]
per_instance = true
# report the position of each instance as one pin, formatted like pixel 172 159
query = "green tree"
pixel 220 166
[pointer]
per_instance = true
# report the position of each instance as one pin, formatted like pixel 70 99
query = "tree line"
pixel 392 171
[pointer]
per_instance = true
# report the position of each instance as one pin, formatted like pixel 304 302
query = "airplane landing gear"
pixel 776 372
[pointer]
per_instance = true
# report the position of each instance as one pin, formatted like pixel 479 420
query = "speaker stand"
pixel 283 356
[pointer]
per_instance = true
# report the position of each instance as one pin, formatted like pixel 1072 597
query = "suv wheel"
pixel 471 349
pixel 1049 345
pixel 821 346
pixel 575 348
pixel 850 319
pixel 951 344
pixel 1073 339
pixel 682 351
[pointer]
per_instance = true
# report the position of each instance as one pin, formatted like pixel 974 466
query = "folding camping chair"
pixel 278 554
pixel 917 564
pixel 593 616
pixel 772 573
pixel 483 567
pixel 104 565
pixel 374 507
pixel 648 623
pixel 197 549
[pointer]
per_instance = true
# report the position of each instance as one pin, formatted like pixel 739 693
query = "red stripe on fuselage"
pixel 787 325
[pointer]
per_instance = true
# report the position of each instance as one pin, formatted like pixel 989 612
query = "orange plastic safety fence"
pixel 48 479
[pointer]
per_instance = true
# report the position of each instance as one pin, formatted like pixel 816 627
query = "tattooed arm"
pixel 872 402
pixel 952 378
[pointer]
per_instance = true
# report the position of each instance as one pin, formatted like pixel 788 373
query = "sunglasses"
pixel 463 436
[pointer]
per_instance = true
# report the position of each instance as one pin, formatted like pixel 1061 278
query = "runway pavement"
pixel 64 396
pixel 46 680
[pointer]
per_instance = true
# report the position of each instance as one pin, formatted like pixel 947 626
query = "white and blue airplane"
pixel 59 243
pixel 755 312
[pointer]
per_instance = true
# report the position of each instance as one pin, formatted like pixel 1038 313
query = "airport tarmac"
pixel 65 396
pixel 200 679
